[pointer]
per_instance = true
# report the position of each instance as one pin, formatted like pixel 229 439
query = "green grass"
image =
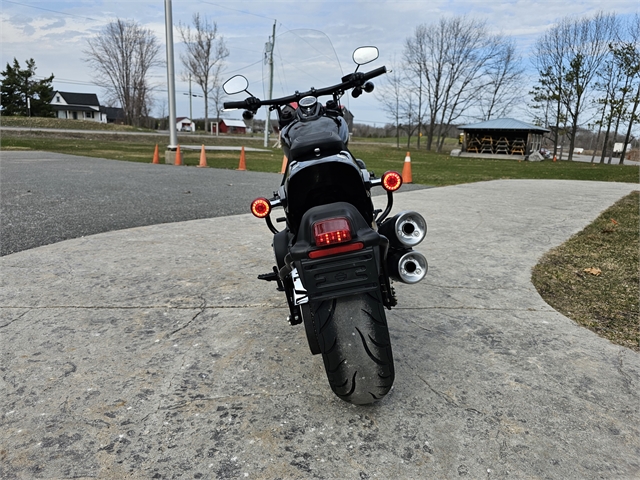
pixel 606 303
pixel 440 169
pixel 65 124
pixel 427 168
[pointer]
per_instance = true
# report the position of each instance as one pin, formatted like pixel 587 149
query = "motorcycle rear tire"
pixel 353 337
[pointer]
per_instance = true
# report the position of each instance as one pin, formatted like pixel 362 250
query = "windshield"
pixel 303 59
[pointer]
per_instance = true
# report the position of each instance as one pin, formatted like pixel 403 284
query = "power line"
pixel 236 10
pixel 48 10
pixel 78 82
pixel 244 68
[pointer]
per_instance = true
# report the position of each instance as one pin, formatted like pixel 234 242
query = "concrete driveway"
pixel 154 352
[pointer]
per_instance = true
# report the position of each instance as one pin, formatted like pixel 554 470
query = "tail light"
pixel 332 231
pixel 391 181
pixel 261 207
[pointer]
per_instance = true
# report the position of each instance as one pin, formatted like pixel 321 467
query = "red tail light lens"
pixel 391 181
pixel 332 231
pixel 261 207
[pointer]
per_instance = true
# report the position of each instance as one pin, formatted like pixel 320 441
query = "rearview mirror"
pixel 364 55
pixel 235 84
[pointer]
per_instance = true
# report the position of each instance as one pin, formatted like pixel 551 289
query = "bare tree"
pixel 410 113
pixel 217 93
pixel 391 94
pixel 625 62
pixel 631 66
pixel 453 56
pixel 549 53
pixel 122 55
pixel 569 55
pixel 205 52
pixel 609 77
pixel 503 82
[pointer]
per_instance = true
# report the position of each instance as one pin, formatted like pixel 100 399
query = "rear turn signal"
pixel 332 231
pixel 261 207
pixel 391 181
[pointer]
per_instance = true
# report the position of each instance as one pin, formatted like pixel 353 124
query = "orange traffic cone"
pixel 156 156
pixel 554 158
pixel 178 157
pixel 406 170
pixel 242 165
pixel 203 158
pixel 284 164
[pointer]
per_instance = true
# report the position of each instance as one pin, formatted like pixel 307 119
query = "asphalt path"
pixel 48 197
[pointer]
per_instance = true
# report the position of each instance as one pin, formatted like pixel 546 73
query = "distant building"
pixel 229 126
pixel 78 106
pixel 185 124
pixel 114 114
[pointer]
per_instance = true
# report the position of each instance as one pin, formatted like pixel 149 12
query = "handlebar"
pixel 374 73
pixel 350 81
pixel 242 104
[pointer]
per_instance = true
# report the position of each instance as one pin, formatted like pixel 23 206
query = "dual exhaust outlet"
pixel 404 231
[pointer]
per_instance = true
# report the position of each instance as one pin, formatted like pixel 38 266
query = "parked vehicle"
pixel 336 255
pixel 546 154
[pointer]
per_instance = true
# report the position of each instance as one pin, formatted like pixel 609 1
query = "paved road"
pixel 49 197
pixel 153 352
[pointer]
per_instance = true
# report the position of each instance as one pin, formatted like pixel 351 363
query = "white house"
pixel 185 124
pixel 78 106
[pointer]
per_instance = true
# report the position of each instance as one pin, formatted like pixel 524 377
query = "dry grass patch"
pixel 593 278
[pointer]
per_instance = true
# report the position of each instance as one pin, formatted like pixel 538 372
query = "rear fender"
pixel 342 274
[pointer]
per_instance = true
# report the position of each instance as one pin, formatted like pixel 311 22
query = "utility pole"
pixel 269 57
pixel 190 101
pixel 191 95
pixel 171 76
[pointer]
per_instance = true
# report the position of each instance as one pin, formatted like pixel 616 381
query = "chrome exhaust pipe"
pixel 408 266
pixel 405 230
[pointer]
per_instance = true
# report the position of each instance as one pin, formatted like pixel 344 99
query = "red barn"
pixel 229 126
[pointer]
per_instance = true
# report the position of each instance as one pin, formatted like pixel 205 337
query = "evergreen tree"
pixel 19 84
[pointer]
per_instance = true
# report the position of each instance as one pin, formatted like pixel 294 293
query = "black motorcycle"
pixel 336 255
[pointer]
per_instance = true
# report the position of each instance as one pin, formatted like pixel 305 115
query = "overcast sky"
pixel 54 33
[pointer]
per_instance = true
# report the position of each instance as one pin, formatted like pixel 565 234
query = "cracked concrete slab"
pixel 155 353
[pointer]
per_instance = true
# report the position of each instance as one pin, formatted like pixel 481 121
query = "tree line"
pixel 453 70
pixel 589 73
pixel 122 56
pixel 448 69
pixel 124 53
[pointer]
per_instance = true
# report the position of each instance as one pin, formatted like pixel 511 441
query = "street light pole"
pixel 171 76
